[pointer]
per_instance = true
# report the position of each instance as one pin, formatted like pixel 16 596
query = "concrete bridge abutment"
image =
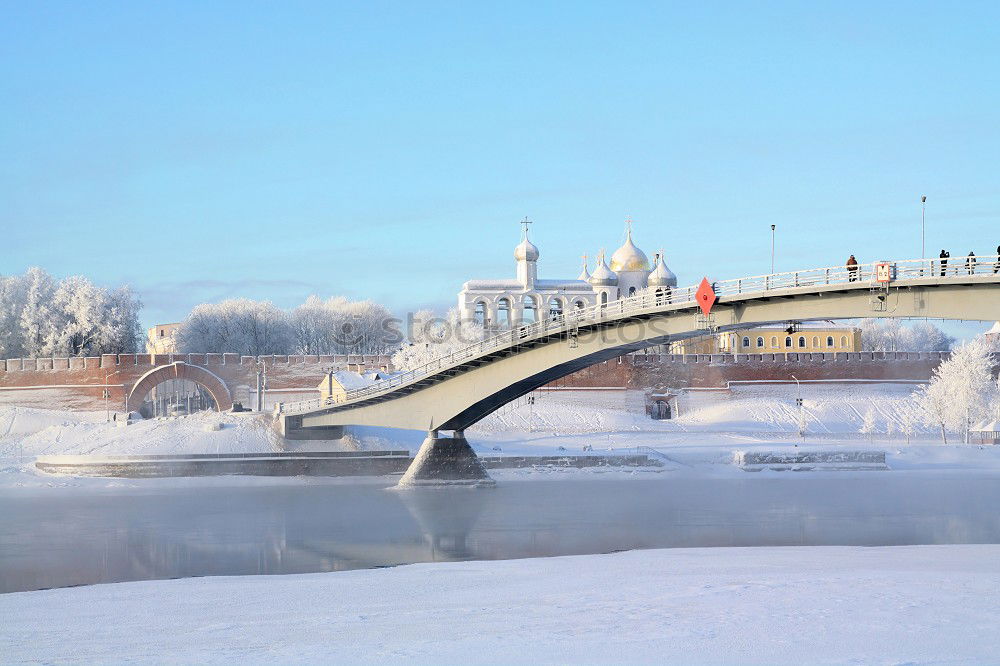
pixel 446 461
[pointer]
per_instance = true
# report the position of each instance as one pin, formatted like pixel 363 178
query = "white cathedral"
pixel 526 299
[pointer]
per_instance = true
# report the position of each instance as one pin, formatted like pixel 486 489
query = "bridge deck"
pixel 734 297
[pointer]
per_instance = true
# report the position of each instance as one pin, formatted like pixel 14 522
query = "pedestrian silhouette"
pixel 944 261
pixel 996 265
pixel 852 269
pixel 970 262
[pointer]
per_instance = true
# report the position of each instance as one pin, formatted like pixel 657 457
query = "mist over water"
pixel 82 537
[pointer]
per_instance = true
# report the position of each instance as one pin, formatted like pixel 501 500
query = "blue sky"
pixel 388 150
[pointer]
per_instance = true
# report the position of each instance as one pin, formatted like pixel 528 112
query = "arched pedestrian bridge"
pixel 457 390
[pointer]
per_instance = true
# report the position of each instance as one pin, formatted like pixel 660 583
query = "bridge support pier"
pixel 446 461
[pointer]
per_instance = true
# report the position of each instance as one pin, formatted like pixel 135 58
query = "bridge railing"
pixel 667 298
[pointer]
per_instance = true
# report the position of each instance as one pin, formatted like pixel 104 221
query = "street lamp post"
pixel 798 400
pixel 772 249
pixel 923 211
pixel 107 394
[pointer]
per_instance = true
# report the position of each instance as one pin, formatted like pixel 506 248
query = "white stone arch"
pixel 481 310
pixel 533 302
pixel 555 307
pixel 504 309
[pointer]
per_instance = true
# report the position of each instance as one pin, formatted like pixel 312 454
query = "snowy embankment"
pixel 912 604
pixel 837 409
pixel 710 427
pixel 26 433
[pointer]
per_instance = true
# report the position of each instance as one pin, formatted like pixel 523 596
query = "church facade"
pixel 524 299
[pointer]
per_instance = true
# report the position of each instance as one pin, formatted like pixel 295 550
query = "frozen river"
pixel 81 536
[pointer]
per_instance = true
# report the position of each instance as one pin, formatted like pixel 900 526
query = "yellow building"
pixel 162 339
pixel 336 384
pixel 810 336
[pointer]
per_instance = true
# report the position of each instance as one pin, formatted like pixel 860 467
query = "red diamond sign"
pixel 705 296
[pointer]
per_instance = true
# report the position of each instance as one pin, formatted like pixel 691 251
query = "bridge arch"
pixel 455 391
pixel 180 370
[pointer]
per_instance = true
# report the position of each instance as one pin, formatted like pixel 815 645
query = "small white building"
pixel 525 299
pixel 993 335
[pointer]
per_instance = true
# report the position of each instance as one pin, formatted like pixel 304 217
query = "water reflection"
pixel 446 517
pixel 69 538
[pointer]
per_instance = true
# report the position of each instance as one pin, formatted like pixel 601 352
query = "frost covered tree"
pixel 312 327
pixel 430 337
pixel 891 335
pixel 333 326
pixel 868 426
pixel 36 316
pixel 237 325
pixel 41 316
pixel 12 298
pixel 962 390
pixel 340 326
pixel 364 327
pixel 909 419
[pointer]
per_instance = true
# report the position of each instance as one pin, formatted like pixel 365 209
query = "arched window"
pixel 555 308
pixel 760 342
pixel 746 342
pixel 829 341
pixel 815 342
pixel 604 298
pixel 788 341
pixel 843 341
pixel 802 341
pixel 530 314
pixel 503 312
pixel 774 342
pixel 480 315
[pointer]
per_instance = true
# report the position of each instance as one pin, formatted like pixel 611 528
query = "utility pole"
pixel 772 249
pixel 923 211
pixel 107 395
pixel 798 401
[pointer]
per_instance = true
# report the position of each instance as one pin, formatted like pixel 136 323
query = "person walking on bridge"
pixel 970 262
pixel 996 265
pixel 944 261
pixel 852 269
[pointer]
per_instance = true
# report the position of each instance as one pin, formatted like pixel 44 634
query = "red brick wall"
pixel 645 371
pixel 78 383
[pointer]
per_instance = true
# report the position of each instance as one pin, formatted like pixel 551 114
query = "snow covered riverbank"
pixel 925 604
pixel 702 440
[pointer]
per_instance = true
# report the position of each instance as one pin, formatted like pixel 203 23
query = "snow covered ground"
pixel 712 425
pixel 28 432
pixel 926 604
pixel 910 604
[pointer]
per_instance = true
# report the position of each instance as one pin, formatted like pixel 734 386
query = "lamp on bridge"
pixel 923 211
pixel 772 248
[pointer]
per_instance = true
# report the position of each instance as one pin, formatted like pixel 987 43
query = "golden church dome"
pixel 629 258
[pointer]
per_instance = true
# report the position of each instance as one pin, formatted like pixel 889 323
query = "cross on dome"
pixel 526 250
